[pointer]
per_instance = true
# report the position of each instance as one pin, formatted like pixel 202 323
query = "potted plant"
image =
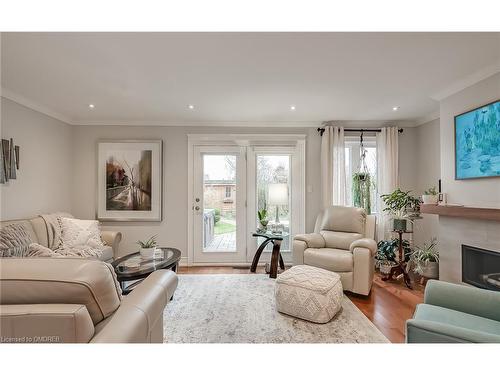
pixel 263 221
pixel 430 196
pixel 148 247
pixel 402 206
pixel 361 191
pixel 385 258
pixel 425 260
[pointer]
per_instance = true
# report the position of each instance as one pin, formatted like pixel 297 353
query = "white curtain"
pixel 333 183
pixel 387 174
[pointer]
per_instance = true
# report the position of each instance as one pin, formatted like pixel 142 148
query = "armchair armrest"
pixel 140 311
pixel 315 240
pixel 426 331
pixel 45 323
pixel 366 243
pixel 470 300
pixel 112 239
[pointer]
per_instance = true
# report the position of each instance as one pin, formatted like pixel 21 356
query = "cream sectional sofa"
pixel 37 229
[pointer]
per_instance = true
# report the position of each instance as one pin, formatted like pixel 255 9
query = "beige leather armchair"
pixel 342 242
pixel 75 300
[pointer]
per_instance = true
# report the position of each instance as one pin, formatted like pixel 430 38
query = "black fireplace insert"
pixel 481 267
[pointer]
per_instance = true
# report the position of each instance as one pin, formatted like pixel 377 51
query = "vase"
pixel 263 226
pixel 430 199
pixel 399 225
pixel 430 270
pixel 385 268
pixel 147 253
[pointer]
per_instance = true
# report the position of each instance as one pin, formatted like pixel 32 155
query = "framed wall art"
pixel 477 142
pixel 129 180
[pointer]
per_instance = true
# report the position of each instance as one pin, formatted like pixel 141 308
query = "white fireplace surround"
pixel 453 232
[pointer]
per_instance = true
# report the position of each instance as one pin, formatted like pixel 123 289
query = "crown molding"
pixel 19 99
pixel 427 118
pixel 467 81
pixel 236 124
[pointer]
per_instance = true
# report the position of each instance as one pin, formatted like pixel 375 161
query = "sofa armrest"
pixel 366 243
pixel 45 323
pixel 425 331
pixel 314 240
pixel 140 311
pixel 112 239
pixel 470 300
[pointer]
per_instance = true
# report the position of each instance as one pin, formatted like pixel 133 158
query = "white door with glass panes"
pixel 230 185
pixel 278 168
pixel 219 216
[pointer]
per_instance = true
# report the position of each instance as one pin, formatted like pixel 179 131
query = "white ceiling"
pixel 244 78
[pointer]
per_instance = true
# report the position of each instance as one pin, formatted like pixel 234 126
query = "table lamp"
pixel 277 196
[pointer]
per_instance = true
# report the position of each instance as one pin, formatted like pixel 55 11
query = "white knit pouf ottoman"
pixel 309 293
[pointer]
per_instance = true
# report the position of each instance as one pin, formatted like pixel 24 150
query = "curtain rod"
pixel 375 130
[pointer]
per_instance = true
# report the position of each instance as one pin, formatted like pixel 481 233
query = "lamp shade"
pixel 277 194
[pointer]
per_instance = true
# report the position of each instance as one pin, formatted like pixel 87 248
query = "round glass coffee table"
pixel 133 267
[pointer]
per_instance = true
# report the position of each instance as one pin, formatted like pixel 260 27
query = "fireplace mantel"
pixel 462 212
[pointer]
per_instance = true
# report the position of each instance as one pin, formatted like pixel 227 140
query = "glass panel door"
pixel 269 166
pixel 219 196
pixel 219 203
pixel 273 169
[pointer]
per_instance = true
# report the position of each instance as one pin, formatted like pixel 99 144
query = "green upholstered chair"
pixel 455 313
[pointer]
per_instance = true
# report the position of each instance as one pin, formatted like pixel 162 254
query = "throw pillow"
pixel 77 233
pixel 14 240
pixel 37 250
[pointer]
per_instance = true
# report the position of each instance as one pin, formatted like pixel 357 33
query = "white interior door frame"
pixel 248 140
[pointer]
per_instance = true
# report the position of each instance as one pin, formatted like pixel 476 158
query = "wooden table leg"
pixel 274 259
pixel 256 257
pixel 282 263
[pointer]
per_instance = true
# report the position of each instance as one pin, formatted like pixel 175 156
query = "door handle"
pixel 197 208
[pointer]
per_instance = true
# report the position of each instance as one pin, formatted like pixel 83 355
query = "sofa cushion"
pixel 343 219
pixel 336 260
pixel 340 240
pixel 456 318
pixel 61 280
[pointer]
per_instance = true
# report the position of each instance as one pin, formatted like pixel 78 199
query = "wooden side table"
pixel 275 239
pixel 400 268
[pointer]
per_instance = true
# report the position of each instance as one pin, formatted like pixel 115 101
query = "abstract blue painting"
pixel 477 142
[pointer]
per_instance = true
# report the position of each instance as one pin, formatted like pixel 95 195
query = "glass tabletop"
pixel 134 264
pixel 270 235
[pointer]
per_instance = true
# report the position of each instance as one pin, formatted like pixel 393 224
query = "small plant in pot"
pixel 402 206
pixel 148 247
pixel 263 221
pixel 385 258
pixel 430 196
pixel 425 260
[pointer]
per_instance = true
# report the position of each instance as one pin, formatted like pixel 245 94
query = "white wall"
pixel 475 192
pixel 453 232
pixel 428 173
pixel 172 230
pixel 407 154
pixel 43 181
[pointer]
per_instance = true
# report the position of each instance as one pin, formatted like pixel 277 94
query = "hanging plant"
pixel 361 191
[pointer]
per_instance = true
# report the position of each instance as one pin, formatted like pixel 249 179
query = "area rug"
pixel 241 309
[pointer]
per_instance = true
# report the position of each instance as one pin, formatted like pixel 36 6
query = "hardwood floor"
pixel 388 306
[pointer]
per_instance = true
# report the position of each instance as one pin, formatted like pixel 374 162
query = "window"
pixel 228 191
pixel 352 167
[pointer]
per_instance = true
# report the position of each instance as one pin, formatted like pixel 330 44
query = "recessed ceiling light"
pixel 395 108
pixel 190 106
pixel 91 106
pixel 292 108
